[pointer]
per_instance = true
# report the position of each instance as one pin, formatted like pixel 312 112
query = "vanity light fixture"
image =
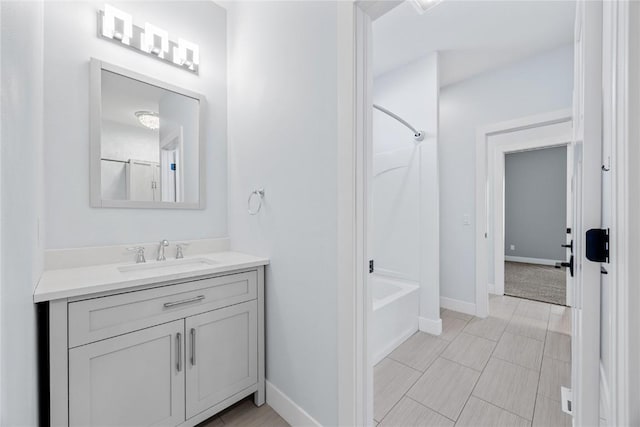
pixel 155 40
pixel 186 54
pixel 423 5
pixel 148 119
pixel 117 25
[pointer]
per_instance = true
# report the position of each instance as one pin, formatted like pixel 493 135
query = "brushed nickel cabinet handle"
pixel 184 301
pixel 193 346
pixel 179 350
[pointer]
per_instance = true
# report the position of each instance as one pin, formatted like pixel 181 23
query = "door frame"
pixel 354 378
pixel 489 182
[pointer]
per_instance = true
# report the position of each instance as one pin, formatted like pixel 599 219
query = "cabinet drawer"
pixel 99 318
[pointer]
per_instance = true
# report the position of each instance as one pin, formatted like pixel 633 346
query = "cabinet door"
pixel 136 379
pixel 222 355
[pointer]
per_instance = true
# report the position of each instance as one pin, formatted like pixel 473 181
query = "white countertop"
pixel 82 281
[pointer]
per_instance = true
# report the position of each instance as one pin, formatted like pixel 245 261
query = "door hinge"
pixel 371 268
pixel 597 244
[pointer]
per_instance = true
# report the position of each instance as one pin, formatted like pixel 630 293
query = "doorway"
pixel 462 309
pixel 535 224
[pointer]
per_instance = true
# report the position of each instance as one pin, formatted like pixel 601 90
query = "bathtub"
pixel 395 314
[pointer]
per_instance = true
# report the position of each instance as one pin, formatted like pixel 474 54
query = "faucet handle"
pixel 179 249
pixel 139 250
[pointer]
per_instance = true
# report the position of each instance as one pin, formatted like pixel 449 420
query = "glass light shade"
pixel 186 54
pixel 423 5
pixel 117 24
pixel 148 119
pixel 155 40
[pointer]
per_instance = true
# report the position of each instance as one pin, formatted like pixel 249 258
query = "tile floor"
pixel 505 370
pixel 246 414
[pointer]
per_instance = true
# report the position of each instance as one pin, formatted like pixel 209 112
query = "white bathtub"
pixel 395 314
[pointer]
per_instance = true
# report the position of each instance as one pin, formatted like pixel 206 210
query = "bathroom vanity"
pixel 161 343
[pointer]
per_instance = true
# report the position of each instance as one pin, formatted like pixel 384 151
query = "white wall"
pixel 70 41
pixel 123 142
pixel 22 195
pixel 536 85
pixel 405 186
pixel 282 136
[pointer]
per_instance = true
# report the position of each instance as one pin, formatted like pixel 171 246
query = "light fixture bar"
pixel 118 27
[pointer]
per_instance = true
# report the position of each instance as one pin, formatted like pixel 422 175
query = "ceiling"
pixel 122 97
pixel 471 36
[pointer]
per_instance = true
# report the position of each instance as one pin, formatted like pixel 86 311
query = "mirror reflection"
pixel 149 142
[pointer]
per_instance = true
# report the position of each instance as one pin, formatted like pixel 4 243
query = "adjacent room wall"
pixel 536 85
pixel 70 41
pixel 535 204
pixel 283 132
pixel 405 183
pixel 21 34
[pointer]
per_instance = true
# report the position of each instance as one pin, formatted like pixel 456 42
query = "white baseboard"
pixel 287 408
pixel 491 288
pixel 458 305
pixel 539 261
pixel 430 326
pixel 393 345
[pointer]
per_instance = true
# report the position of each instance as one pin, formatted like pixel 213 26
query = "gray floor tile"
pixel 502 307
pixel 534 309
pixel 212 422
pixel 246 414
pixel 549 414
pixel 558 346
pixel 560 323
pixel 470 351
pixel 527 327
pixel 451 313
pixel 478 413
pixel 409 413
pixel 523 351
pixel 391 380
pixel 554 374
pixel 419 351
pixel 559 309
pixel 509 387
pixel 490 328
pixel 451 327
pixel 445 387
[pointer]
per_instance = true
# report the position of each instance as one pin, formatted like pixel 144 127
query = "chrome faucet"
pixel 180 250
pixel 163 244
pixel 139 250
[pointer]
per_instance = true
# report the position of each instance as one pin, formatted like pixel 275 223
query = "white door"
pixel 136 379
pixel 587 213
pixel 222 358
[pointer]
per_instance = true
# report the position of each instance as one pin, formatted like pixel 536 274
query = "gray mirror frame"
pixel 97 66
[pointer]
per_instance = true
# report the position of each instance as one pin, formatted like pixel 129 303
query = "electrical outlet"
pixel 466 219
pixel 512 247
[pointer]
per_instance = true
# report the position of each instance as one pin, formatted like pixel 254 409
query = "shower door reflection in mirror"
pixel 149 144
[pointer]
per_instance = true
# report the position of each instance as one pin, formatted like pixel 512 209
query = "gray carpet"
pixel 536 282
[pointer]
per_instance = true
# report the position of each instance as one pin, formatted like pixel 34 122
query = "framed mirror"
pixel 147 142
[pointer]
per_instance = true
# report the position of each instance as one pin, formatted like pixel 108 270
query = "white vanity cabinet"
pixel 167 354
pixel 134 379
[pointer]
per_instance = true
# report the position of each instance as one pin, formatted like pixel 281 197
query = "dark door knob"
pixel 569 246
pixel 567 264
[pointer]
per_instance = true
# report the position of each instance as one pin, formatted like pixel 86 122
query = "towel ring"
pixel 260 194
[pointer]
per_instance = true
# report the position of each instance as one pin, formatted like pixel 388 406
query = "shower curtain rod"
pixel 417 135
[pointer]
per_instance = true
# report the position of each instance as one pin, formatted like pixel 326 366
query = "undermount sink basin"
pixel 174 265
